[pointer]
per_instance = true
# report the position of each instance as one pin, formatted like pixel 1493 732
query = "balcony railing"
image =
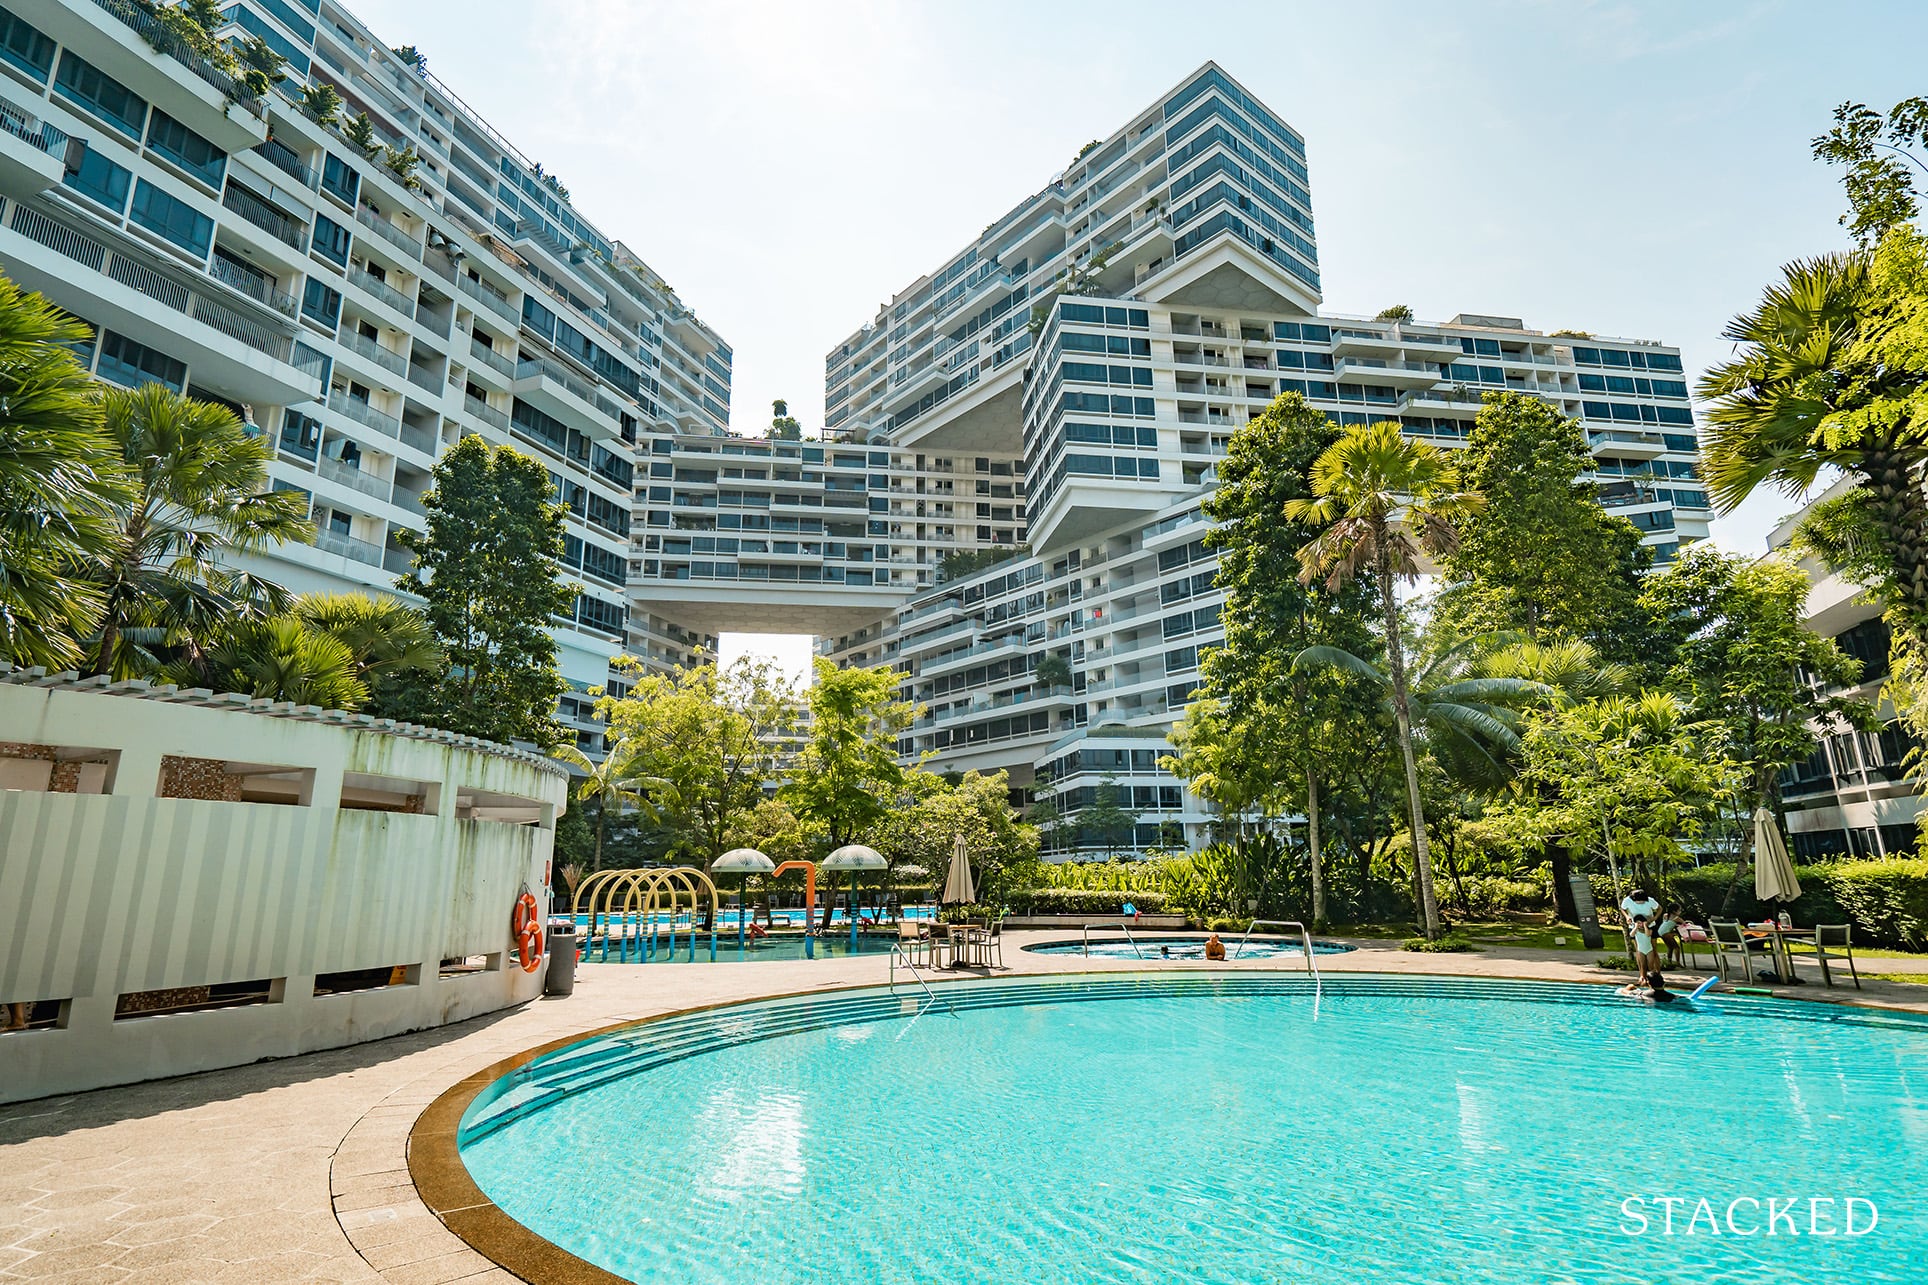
pixel 264 216
pixel 92 253
pixel 350 476
pixel 349 547
pixel 31 130
pixel 364 414
pixel 493 360
pixel 485 412
pixel 387 358
pixel 253 285
pixel 381 290
pixel 488 299
pixel 388 232
pixel 162 38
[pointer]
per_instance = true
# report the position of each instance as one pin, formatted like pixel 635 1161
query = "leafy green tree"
pixel 783 425
pixel 1747 664
pixel 1882 154
pixel 1108 818
pixel 360 132
pixel 848 776
pixel 199 494
pixel 612 785
pixel 61 484
pixel 1541 557
pixel 933 813
pixel 322 103
pixel 1384 503
pixel 1262 735
pixel 486 569
pixel 712 737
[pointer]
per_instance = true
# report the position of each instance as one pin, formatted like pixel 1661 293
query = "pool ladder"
pixel 930 996
pixel 1122 927
pixel 1311 960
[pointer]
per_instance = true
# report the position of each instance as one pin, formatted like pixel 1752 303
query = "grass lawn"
pixel 1906 979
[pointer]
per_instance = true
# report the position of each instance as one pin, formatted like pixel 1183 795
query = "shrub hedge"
pixel 1886 902
pixel 1082 901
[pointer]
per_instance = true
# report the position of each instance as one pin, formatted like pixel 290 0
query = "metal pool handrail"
pixel 1311 960
pixel 1121 926
pixel 897 953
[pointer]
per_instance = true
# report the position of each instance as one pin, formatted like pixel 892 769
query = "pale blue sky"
pixel 1627 168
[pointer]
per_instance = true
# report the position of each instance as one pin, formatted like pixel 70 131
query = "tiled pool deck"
pixel 296 1170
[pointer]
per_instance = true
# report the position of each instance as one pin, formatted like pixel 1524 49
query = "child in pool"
pixel 1645 958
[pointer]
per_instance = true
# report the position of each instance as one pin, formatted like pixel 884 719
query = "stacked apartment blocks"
pixel 1005 506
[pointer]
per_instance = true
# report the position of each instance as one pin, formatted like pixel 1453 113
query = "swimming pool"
pixel 1190 1127
pixel 1112 947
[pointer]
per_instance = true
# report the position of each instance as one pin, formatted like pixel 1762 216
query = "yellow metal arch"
pixel 615 900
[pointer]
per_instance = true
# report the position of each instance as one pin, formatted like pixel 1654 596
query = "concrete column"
pixel 137 772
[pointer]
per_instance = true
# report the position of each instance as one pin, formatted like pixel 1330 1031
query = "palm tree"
pixel 199 494
pixel 1386 504
pixel 384 635
pixel 60 483
pixel 612 783
pixel 1570 667
pixel 282 659
pixel 1809 390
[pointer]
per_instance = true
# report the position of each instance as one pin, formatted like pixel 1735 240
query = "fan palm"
pixel 1811 388
pixel 384 635
pixel 1386 504
pixel 281 659
pixel 1569 667
pixel 199 493
pixel 60 483
pixel 613 783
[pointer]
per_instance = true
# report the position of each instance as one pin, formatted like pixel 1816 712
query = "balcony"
pixel 388 232
pixel 350 476
pixel 347 546
pixel 119 284
pixel 127 43
pixel 492 359
pixel 1396 374
pixel 387 358
pixel 560 393
pixel 32 152
pixel 364 414
pixel 489 299
pixel 369 284
pixel 1626 443
pixel 254 285
pixel 485 412
pixel 283 228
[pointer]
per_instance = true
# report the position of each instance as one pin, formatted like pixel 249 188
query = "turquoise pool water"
pixel 1112 947
pixel 1184 1128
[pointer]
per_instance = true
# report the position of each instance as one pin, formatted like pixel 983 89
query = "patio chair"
pixel 1826 938
pixel 993 944
pixel 913 941
pixel 1732 945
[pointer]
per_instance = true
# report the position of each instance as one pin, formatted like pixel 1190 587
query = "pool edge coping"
pixel 450 1193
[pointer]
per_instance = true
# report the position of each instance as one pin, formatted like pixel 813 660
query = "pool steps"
pixel 604 1059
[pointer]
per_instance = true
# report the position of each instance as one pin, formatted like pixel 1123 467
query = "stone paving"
pixel 296 1170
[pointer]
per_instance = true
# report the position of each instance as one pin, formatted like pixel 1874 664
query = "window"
pixel 131 365
pixel 101 180
pixel 321 303
pixel 330 240
pixel 25 47
pixel 187 149
pixel 171 218
pixel 339 179
pixel 80 82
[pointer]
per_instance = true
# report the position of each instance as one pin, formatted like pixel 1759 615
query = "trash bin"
pixel 561 977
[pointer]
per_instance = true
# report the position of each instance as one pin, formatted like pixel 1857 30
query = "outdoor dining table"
pixel 1779 937
pixel 959 941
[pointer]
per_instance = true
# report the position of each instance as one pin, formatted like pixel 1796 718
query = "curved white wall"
pixel 105 895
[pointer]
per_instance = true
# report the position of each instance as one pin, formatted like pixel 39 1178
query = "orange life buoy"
pixel 525 925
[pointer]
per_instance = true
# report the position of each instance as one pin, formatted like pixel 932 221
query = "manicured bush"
pixel 1445 943
pixel 1491 896
pixel 1083 901
pixel 1702 891
pixel 1885 900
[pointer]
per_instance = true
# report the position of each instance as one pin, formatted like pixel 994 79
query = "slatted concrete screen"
pixel 106 895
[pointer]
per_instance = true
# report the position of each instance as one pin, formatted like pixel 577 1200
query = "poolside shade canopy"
pixel 1773 873
pixel 855 856
pixel 957 884
pixel 743 861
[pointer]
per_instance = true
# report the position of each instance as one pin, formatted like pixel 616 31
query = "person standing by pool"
pixel 1644 956
pixel 1635 905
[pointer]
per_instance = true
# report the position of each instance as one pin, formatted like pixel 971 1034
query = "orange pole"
pixel 809 869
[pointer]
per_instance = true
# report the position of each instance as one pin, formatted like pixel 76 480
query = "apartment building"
pixel 363 315
pixel 1852 796
pixel 1107 336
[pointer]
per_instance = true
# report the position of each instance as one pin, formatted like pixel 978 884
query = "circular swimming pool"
pixel 1185 948
pixel 1185 1127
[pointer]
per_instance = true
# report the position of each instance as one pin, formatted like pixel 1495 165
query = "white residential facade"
pixel 236 249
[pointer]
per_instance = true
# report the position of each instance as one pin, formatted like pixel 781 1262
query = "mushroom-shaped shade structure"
pixel 743 861
pixel 855 856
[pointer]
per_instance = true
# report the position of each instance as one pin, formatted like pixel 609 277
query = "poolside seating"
pixel 1827 938
pixel 913 941
pixel 1732 947
pixel 992 944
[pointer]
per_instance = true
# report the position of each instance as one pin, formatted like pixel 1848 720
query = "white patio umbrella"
pixel 853 857
pixel 958 889
pixel 1773 873
pixel 745 862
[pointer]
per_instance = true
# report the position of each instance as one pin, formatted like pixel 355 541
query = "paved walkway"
pixel 295 1170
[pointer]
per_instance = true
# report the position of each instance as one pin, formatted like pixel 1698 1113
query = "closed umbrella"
pixel 1773 872
pixel 957 884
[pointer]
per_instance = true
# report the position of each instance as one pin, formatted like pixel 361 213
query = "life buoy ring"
pixel 525 926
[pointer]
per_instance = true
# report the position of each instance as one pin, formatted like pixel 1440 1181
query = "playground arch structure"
pixel 633 908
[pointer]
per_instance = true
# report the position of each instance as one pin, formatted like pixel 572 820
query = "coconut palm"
pixel 60 482
pixel 199 494
pixel 1809 390
pixel 613 783
pixel 1386 505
